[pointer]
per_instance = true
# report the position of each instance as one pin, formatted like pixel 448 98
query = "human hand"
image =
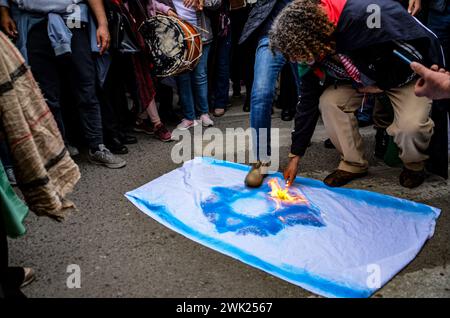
pixel 434 82
pixel 172 13
pixel 103 38
pixel 414 7
pixel 7 24
pixel 290 172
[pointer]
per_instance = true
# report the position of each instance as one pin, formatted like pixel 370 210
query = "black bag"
pixel 122 36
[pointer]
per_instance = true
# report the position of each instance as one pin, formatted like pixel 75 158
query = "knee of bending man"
pixel 327 103
pixel 412 128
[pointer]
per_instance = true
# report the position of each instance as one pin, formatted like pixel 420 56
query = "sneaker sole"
pixel 187 128
pixel 28 281
pixel 143 131
pixel 109 165
pixel 165 140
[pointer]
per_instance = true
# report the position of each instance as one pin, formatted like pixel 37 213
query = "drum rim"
pixel 178 63
pixel 181 65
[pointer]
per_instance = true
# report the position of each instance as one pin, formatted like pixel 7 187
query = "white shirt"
pixel 188 14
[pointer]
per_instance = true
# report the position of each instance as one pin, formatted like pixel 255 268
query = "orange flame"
pixel 280 195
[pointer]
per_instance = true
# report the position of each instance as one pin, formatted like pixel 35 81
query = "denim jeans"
pixel 80 68
pixel 222 76
pixel 267 68
pixel 193 88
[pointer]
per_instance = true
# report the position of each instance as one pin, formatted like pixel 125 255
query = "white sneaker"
pixel 104 157
pixel 206 120
pixel 186 124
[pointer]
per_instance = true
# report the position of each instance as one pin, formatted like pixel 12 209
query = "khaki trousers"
pixel 412 127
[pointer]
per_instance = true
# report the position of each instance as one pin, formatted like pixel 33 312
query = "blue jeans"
pixel 222 78
pixel 193 87
pixel 267 68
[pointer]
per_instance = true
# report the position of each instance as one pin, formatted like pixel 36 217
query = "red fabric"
pixel 142 60
pixel 350 68
pixel 334 8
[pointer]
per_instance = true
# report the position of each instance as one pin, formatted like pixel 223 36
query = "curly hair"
pixel 302 31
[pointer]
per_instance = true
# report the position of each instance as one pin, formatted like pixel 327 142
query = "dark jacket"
pixel 363 45
pixel 438 5
pixel 257 16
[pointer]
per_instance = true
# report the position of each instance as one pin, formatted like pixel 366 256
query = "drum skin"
pixel 176 45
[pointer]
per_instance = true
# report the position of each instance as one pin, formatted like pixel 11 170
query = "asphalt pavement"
pixel 123 253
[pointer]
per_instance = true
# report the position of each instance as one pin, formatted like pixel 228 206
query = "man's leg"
pixel 200 79
pixel 83 82
pixel 383 115
pixel 288 93
pixel 238 18
pixel 83 76
pixel 412 129
pixel 338 106
pixel 439 23
pixel 186 96
pixel 44 67
pixel 222 76
pixel 267 68
pixel 112 97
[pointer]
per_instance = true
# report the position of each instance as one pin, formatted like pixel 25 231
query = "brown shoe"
pixel 340 177
pixel 256 175
pixel 411 179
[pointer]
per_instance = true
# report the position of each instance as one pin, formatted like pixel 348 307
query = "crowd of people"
pixel 81 74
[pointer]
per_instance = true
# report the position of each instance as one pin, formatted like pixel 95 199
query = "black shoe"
pixel 287 115
pixel 237 90
pixel 328 144
pixel 340 177
pixel 381 143
pixel 127 139
pixel 246 108
pixel 116 146
pixel 411 179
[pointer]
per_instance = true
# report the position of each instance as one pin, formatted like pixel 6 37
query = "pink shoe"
pixel 186 124
pixel 162 133
pixel 206 120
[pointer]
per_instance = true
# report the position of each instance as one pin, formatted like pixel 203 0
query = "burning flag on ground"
pixel 327 240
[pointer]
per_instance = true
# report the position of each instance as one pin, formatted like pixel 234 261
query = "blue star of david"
pixel 218 209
